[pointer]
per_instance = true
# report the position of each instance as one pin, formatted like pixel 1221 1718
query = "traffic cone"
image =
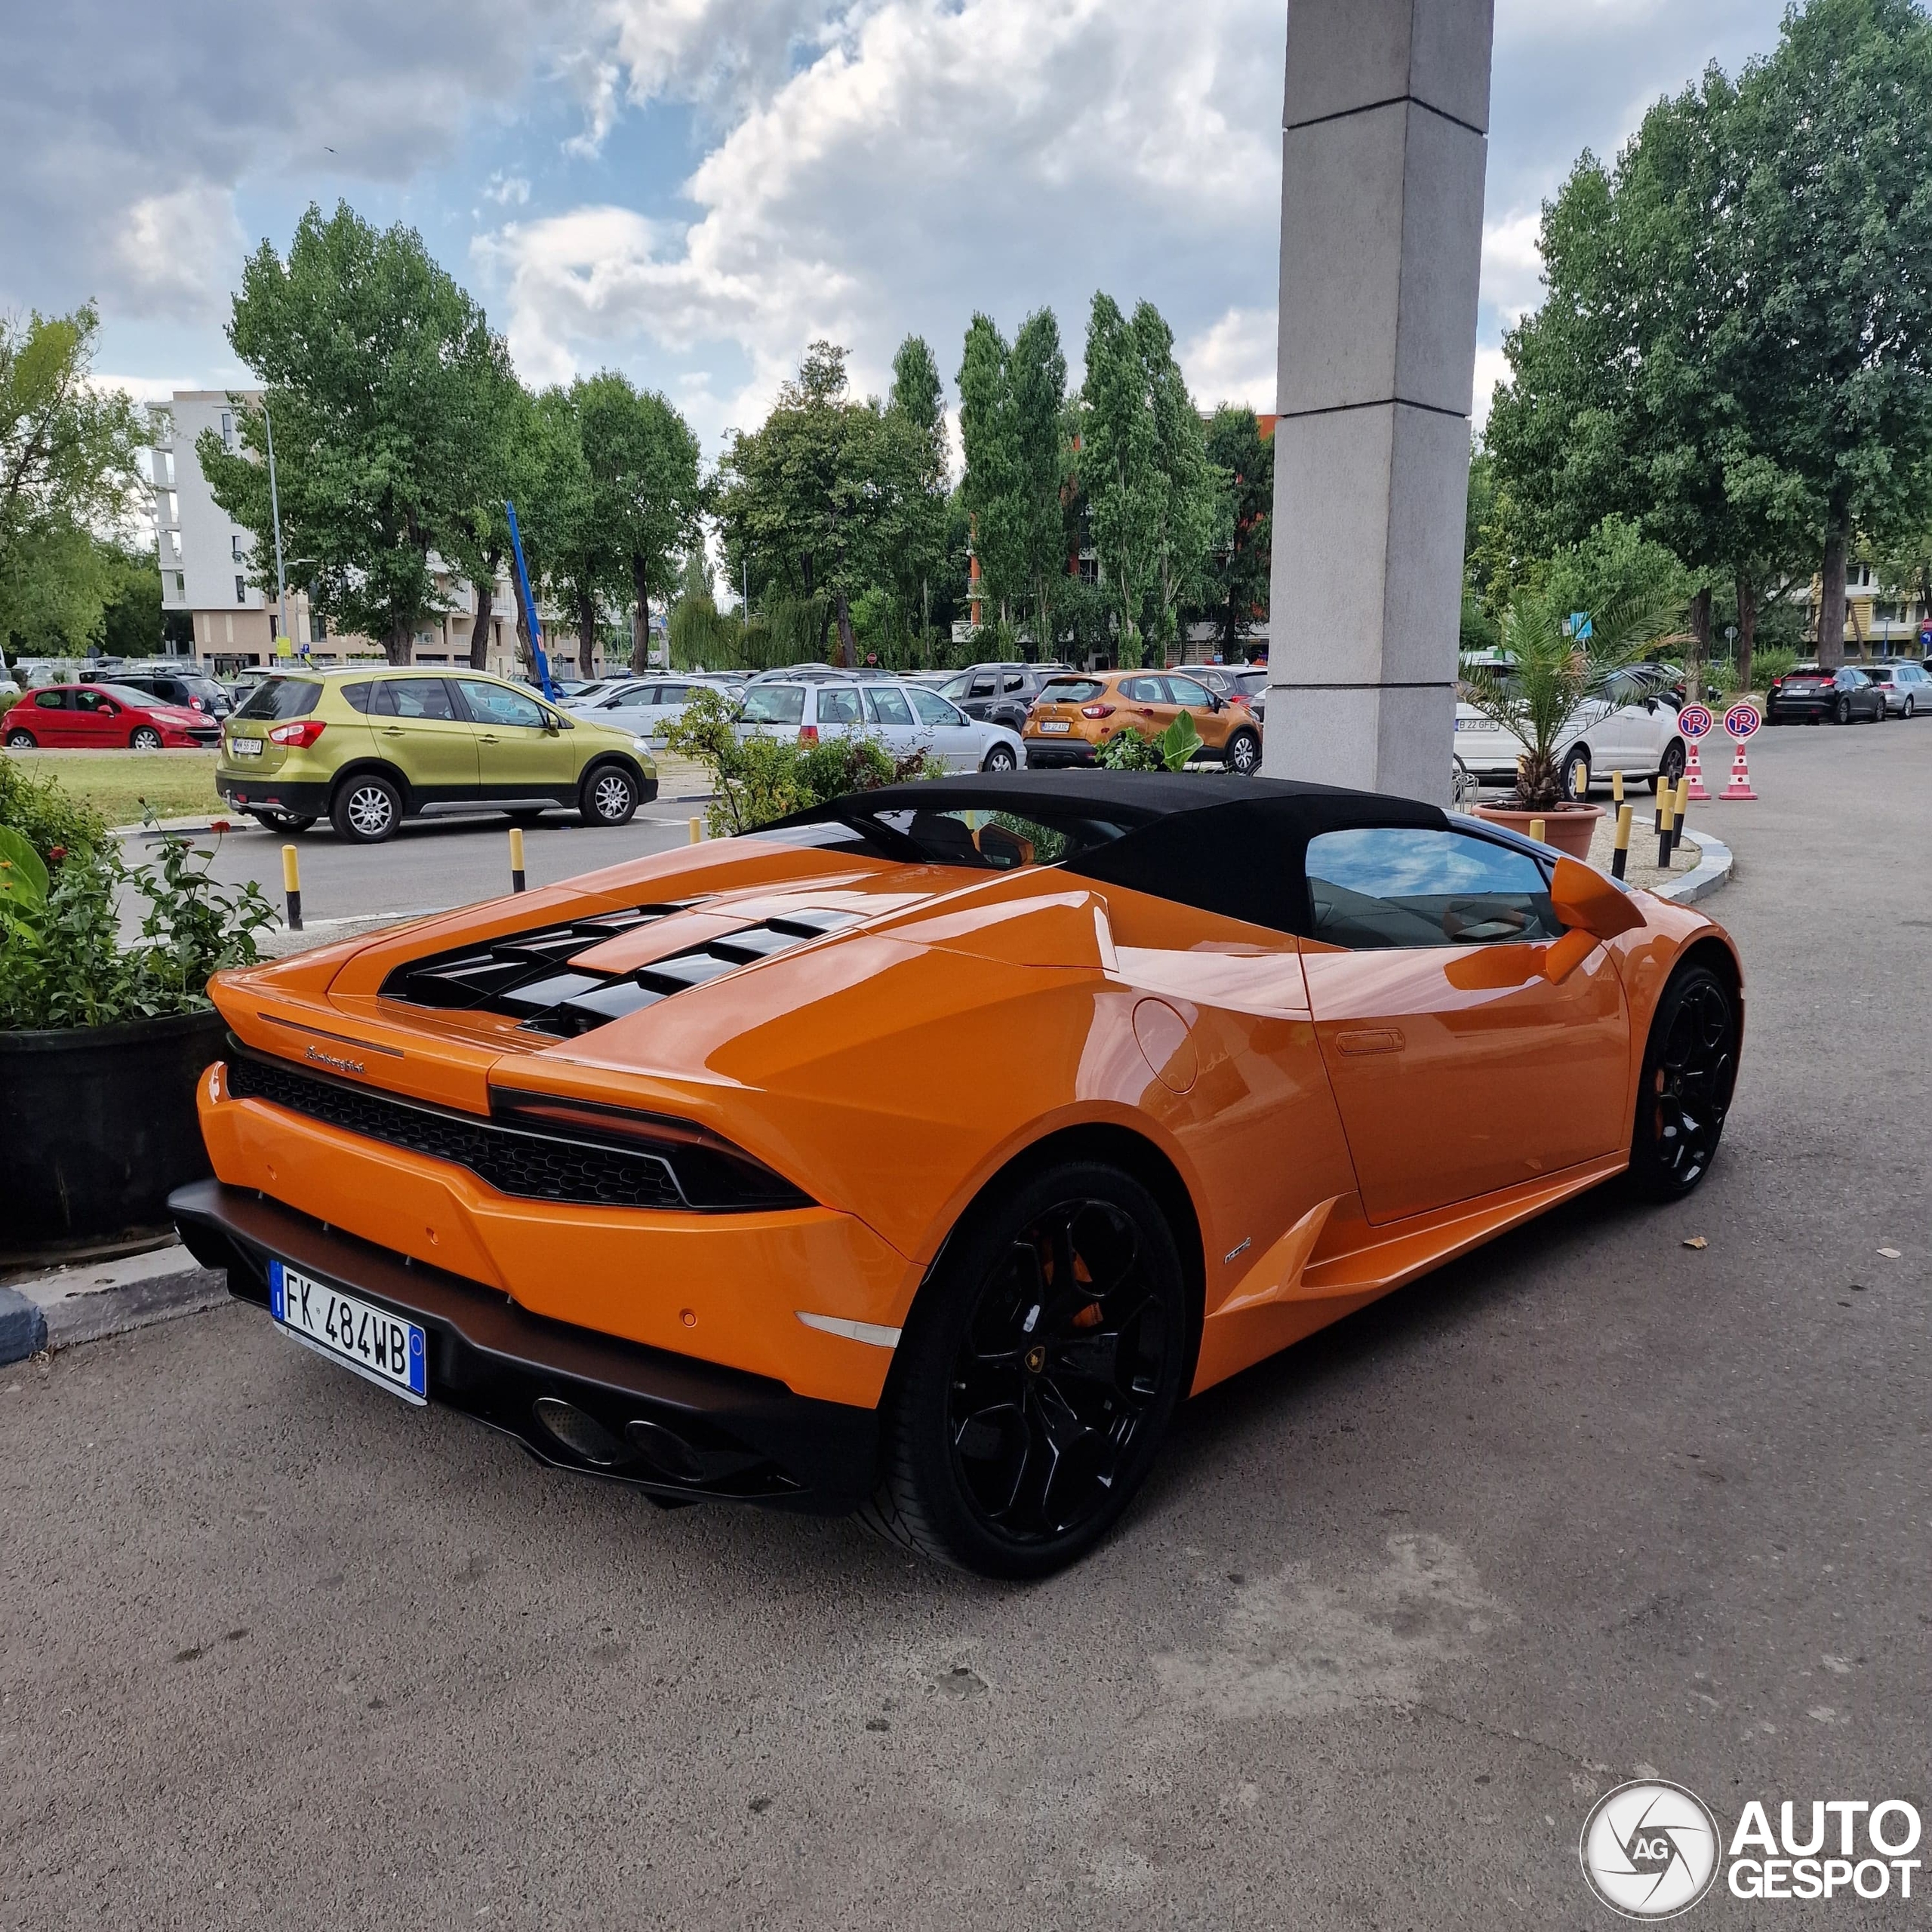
pixel 1739 786
pixel 1693 774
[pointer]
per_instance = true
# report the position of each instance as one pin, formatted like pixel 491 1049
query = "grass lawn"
pixel 175 783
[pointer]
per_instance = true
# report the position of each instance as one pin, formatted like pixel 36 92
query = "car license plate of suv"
pixel 245 747
pixel 1055 725
pixel 380 1347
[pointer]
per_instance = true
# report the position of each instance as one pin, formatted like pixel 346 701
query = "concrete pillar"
pixel 1384 141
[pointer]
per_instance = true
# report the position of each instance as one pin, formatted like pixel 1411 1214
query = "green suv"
pixel 371 748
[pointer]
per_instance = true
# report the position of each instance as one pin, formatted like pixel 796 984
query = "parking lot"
pixel 275 1650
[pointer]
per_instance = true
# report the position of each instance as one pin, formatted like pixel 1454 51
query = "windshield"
pixel 282 697
pixel 129 695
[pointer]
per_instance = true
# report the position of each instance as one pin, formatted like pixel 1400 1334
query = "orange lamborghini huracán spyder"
pixel 917 1156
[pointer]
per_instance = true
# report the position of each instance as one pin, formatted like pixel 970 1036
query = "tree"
pixel 991 488
pixel 131 618
pixel 68 470
pixel 385 385
pixel 1193 503
pixel 1236 579
pixel 645 494
pixel 918 402
pixel 575 552
pixel 1041 466
pixel 1832 260
pixel 817 490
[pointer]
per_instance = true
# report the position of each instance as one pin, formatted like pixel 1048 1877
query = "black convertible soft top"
pixel 1229 845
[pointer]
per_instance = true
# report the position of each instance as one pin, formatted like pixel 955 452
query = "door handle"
pixel 1370 1040
pixel 486 738
pixel 392 730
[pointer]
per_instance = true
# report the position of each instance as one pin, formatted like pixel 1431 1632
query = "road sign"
pixel 1694 721
pixel 1742 722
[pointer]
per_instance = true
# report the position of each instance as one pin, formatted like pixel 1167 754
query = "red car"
pixel 104 716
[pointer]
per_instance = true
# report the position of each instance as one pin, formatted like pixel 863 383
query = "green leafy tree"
pixel 646 496
pixel 816 492
pixel 1119 470
pixel 1195 509
pixel 1042 465
pixel 69 469
pixel 131 621
pixel 1235 579
pixel 918 402
pixel 990 488
pixel 384 383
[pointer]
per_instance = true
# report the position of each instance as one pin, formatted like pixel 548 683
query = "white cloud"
pixel 178 253
pixel 1233 360
pixel 1512 264
pixel 507 189
pixel 1491 368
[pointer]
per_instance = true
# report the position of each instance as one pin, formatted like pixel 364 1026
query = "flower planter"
pixel 97 1125
pixel 1567 828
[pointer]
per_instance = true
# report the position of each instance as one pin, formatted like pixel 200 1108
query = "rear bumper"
pixel 1044 754
pixel 733 1436
pixel 309 797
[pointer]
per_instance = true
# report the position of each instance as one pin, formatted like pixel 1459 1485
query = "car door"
pixel 522 751
pixel 1149 709
pixel 53 720
pixel 418 725
pixel 944 731
pixel 889 718
pixel 838 712
pixel 97 720
pixel 1459 1068
pixel 1190 695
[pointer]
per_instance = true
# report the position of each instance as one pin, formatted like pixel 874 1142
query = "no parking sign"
pixel 1695 722
pixel 1742 722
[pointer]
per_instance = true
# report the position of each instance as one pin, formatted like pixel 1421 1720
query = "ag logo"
pixel 1650 1851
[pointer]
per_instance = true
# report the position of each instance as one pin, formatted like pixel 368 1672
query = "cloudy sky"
pixel 690 190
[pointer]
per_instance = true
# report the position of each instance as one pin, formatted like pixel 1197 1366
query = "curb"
pixel 59 1308
pixel 1712 873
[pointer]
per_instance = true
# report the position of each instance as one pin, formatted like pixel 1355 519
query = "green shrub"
pixel 1776 663
pixel 1128 751
pixel 49 818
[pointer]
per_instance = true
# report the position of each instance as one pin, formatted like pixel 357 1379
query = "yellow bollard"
pixel 1680 810
pixel 1536 830
pixel 291 886
pixel 697 831
pixel 1665 795
pixel 1616 787
pixel 1620 858
pixel 517 880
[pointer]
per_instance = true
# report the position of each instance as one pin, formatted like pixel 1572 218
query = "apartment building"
pixel 207 562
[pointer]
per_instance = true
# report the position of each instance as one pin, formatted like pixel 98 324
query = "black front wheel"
pixel 1690 1071
pixel 1576 774
pixel 1036 1378
pixel 1675 759
pixel 1001 758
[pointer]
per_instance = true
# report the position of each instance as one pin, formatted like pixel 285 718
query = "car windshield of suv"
pixel 1071 690
pixel 283 697
pixel 774 704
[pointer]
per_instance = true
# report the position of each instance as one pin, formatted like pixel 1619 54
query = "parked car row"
pixel 104 717
pixel 1811 694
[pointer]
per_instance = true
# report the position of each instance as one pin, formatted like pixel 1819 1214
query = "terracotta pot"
pixel 1567 828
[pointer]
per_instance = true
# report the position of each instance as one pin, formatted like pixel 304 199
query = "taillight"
pixel 299 736
pixel 1096 711
pixel 808 734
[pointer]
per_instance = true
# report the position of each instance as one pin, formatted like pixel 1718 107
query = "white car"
pixel 1631 728
pixel 647 707
pixel 904 717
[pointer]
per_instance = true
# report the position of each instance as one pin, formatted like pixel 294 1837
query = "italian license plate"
pixel 379 1346
pixel 1055 725
pixel 245 747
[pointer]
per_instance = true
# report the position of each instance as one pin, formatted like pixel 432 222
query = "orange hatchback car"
pixel 1076 714
pixel 697 1175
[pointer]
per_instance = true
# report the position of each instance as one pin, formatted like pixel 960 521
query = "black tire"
pixel 1907 711
pixel 20 741
pixel 1690 1071
pixel 1243 754
pixel 1576 774
pixel 608 796
pixel 1001 758
pixel 289 822
pixel 1671 768
pixel 1843 715
pixel 1018 1424
pixel 367 809
pixel 144 738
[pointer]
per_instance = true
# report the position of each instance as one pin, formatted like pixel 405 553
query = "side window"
pixel 1394 886
pixel 888 707
pixel 358 697
pixel 1013 681
pixel 933 709
pixel 838 705
pixel 497 704
pixel 775 704
pixel 51 701
pixel 1143 690
pixel 418 697
pixel 984 685
pixel 672 694
pixel 1185 691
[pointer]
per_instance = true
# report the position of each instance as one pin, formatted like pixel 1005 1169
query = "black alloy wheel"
pixel 1244 753
pixel 1690 1071
pixel 144 738
pixel 609 797
pixel 1844 710
pixel 1675 759
pixel 1036 1379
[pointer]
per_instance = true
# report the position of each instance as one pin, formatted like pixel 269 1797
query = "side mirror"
pixel 1585 901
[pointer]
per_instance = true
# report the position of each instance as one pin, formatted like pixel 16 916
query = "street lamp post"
pixel 274 514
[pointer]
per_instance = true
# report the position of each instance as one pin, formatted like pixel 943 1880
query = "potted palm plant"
pixel 103 1032
pixel 1538 686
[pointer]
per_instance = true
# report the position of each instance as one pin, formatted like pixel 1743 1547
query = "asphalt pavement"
pixel 1591 1504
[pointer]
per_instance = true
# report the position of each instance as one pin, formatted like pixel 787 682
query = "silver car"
pixel 1907 688
pixel 906 719
pixel 648 707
